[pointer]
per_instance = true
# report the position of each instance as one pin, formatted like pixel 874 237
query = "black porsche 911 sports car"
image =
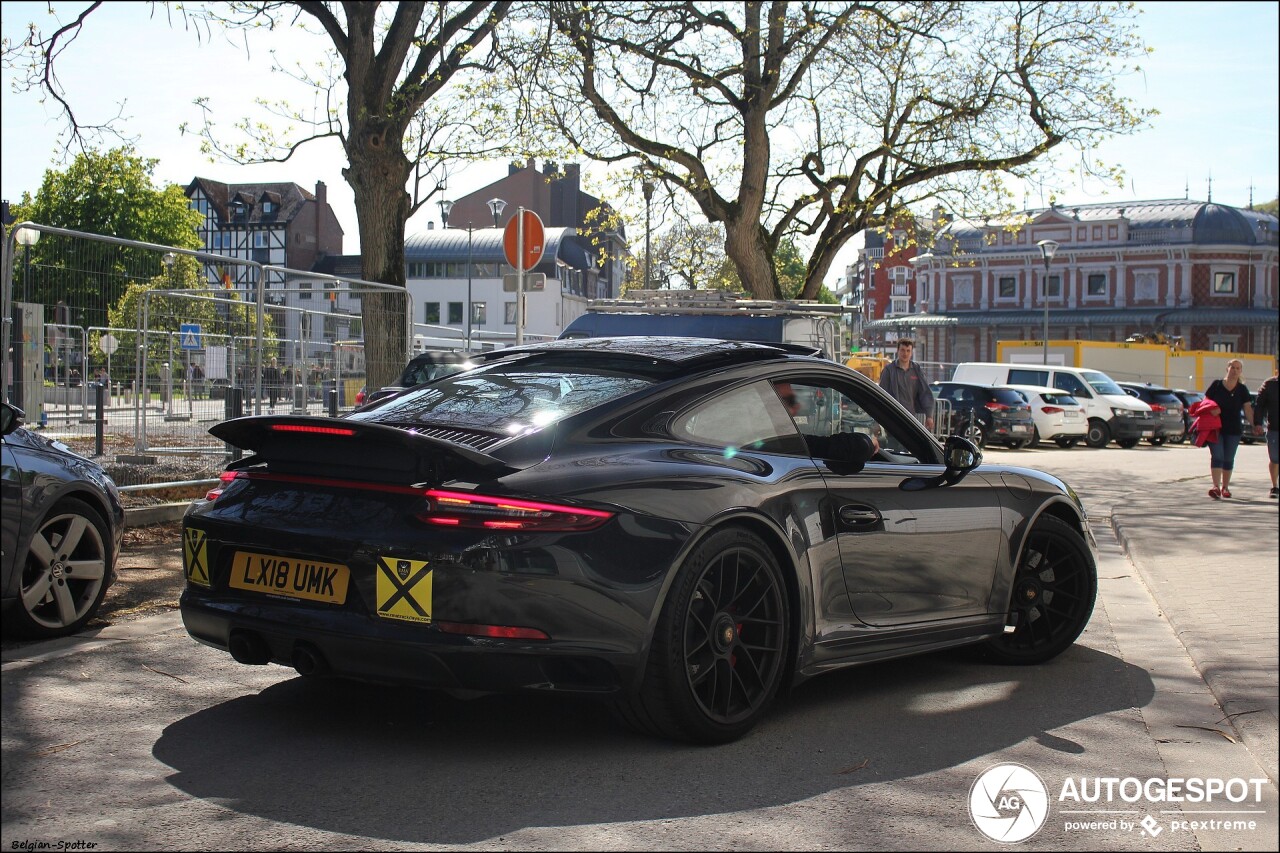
pixel 684 526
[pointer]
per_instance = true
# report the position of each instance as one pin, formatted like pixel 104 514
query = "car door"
pixel 906 556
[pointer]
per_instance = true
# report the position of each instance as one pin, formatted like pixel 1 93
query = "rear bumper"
pixel 348 645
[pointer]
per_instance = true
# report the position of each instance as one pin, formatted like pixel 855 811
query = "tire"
pixel 1054 589
pixel 1066 443
pixel 66 573
pixel 1156 442
pixel 1035 437
pixel 1180 438
pixel 1099 433
pixel 714 665
pixel 1126 443
pixel 1016 445
pixel 975 432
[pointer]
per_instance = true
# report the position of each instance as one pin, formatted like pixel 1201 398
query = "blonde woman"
pixel 1232 398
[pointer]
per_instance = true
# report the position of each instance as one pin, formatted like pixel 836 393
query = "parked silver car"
pixel 60 532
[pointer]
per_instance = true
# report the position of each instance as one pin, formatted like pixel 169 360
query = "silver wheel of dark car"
pixel 719 649
pixel 975 433
pixel 65 575
pixel 1053 594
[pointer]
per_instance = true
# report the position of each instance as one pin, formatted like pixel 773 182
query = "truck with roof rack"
pixel 712 314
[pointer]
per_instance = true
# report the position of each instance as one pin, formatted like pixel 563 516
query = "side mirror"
pixel 961 455
pixel 11 417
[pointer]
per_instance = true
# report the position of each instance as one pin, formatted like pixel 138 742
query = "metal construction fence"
pixel 172 354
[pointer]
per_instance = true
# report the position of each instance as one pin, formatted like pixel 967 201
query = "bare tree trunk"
pixel 378 177
pixel 747 246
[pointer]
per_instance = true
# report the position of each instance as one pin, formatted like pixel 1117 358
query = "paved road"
pixel 140 739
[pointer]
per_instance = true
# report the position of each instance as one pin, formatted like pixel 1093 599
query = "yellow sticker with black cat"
pixel 404 589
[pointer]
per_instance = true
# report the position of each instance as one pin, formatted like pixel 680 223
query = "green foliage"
pixel 222 316
pixel 1272 207
pixel 112 194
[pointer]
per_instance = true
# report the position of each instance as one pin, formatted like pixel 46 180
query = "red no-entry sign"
pixel 524 257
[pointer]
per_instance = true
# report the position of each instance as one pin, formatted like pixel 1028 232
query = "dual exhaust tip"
pixel 249 648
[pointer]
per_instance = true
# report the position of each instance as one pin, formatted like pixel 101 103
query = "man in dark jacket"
pixel 906 384
pixel 1267 406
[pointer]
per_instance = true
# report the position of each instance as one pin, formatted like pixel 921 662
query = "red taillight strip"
pixel 462 498
pixel 446 500
pixel 225 477
pixel 499 632
pixel 321 430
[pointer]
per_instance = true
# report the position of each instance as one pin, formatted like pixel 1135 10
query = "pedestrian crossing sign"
pixel 189 333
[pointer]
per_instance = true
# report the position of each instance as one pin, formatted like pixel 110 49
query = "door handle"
pixel 860 515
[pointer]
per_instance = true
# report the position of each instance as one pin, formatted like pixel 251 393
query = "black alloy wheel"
pixel 66 573
pixel 1054 589
pixel 719 649
pixel 1099 433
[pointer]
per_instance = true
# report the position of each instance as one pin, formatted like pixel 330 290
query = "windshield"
pixel 1101 382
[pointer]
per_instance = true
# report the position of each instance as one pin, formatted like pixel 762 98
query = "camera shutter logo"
pixel 1008 803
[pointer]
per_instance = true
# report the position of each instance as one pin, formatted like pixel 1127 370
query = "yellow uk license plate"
pixel 294 577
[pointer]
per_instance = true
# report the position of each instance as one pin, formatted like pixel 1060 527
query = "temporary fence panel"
pixel 180 339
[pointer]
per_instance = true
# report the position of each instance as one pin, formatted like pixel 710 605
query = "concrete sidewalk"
pixel 1212 568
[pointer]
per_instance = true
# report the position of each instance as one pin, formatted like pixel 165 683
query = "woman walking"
pixel 1232 398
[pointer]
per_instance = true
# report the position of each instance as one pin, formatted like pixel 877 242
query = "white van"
pixel 1112 413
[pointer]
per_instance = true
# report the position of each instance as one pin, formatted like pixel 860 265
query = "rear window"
pixel 508 397
pixel 1060 399
pixel 1166 398
pixel 1008 396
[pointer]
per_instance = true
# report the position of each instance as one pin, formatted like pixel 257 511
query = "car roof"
pixel 1039 389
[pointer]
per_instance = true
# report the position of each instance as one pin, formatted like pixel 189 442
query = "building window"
pixel 1097 284
pixel 479 314
pixel 509 313
pixel 1224 282
pixel 1008 287
pixel 900 306
pixel 260 239
pixel 1097 232
pixel 268 207
pixel 431 312
pixel 455 313
pixel 1053 287
pixel 304 288
pixel 1146 286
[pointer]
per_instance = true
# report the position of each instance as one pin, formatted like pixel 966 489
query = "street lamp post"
pixel 647 188
pixel 445 207
pixel 26 237
pixel 496 206
pixel 1047 250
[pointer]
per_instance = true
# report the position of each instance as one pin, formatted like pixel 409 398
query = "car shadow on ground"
pixel 410 765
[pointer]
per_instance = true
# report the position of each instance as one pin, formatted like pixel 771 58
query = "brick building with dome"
pixel 1199 271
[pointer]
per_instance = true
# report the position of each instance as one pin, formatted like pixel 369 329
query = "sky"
pixel 1213 77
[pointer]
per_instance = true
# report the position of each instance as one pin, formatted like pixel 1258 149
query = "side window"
pixel 1070 384
pixel 823 410
pixel 1022 376
pixel 747 418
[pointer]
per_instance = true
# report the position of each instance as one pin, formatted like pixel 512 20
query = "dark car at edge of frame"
pixel 685 528
pixel 60 532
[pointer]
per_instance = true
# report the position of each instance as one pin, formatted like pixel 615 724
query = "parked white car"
pixel 1059 417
